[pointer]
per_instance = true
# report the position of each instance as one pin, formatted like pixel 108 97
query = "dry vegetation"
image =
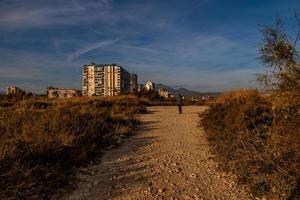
pixel 41 141
pixel 258 136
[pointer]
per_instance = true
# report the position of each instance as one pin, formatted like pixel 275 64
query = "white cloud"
pixel 89 48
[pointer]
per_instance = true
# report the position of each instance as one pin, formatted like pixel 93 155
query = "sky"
pixel 203 45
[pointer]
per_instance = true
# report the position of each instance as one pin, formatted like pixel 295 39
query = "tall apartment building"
pixel 105 80
pixel 92 80
pixel 133 83
pixel 116 80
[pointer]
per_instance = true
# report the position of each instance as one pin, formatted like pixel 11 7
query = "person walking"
pixel 180 103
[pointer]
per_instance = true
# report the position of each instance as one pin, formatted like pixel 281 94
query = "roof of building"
pixel 102 65
pixel 55 88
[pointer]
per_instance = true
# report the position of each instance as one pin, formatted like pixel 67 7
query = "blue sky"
pixel 204 45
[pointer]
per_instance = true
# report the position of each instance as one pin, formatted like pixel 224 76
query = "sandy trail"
pixel 168 158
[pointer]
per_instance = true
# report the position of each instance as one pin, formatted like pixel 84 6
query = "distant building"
pixel 116 80
pixel 140 87
pixel 149 86
pixel 14 90
pixel 133 83
pixel 207 97
pixel 92 80
pixel 195 99
pixel 105 80
pixel 62 93
pixel 164 93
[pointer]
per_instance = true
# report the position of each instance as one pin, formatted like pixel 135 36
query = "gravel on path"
pixel 168 158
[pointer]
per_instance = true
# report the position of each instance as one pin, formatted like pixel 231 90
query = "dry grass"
pixel 41 140
pixel 258 139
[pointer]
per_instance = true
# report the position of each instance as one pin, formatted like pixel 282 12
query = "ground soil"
pixel 167 158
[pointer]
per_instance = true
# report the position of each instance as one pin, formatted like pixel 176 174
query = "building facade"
pixel 62 93
pixel 133 83
pixel 105 80
pixel 116 80
pixel 13 90
pixel 164 93
pixel 92 80
pixel 149 86
pixel 140 87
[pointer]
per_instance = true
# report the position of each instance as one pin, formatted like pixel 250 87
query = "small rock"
pixel 193 175
pixel 96 182
pixel 151 190
pixel 178 169
pixel 161 190
pixel 196 197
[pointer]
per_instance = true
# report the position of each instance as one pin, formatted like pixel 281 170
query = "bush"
pixel 40 141
pixel 252 138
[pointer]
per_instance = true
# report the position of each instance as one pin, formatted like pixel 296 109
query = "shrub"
pixel 40 141
pixel 250 139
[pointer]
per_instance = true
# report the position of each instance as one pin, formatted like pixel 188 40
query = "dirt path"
pixel 167 159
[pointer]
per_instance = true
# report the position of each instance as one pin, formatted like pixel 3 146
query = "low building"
pixel 62 93
pixel 13 90
pixel 195 99
pixel 149 86
pixel 164 93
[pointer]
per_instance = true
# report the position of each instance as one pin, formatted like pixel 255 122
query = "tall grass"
pixel 253 136
pixel 41 141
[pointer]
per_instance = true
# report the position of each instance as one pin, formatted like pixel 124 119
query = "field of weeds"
pixel 41 141
pixel 253 138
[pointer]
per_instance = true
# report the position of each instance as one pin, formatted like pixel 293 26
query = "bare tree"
pixel 280 52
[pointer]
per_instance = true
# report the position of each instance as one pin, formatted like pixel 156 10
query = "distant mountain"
pixel 186 92
pixel 160 86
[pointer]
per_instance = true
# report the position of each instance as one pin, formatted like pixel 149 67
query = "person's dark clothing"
pixel 180 108
pixel 180 104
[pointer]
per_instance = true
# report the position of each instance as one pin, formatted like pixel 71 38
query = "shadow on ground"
pixel 116 169
pixel 123 171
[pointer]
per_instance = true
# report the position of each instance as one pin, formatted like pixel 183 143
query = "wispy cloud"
pixel 144 49
pixel 19 14
pixel 89 48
